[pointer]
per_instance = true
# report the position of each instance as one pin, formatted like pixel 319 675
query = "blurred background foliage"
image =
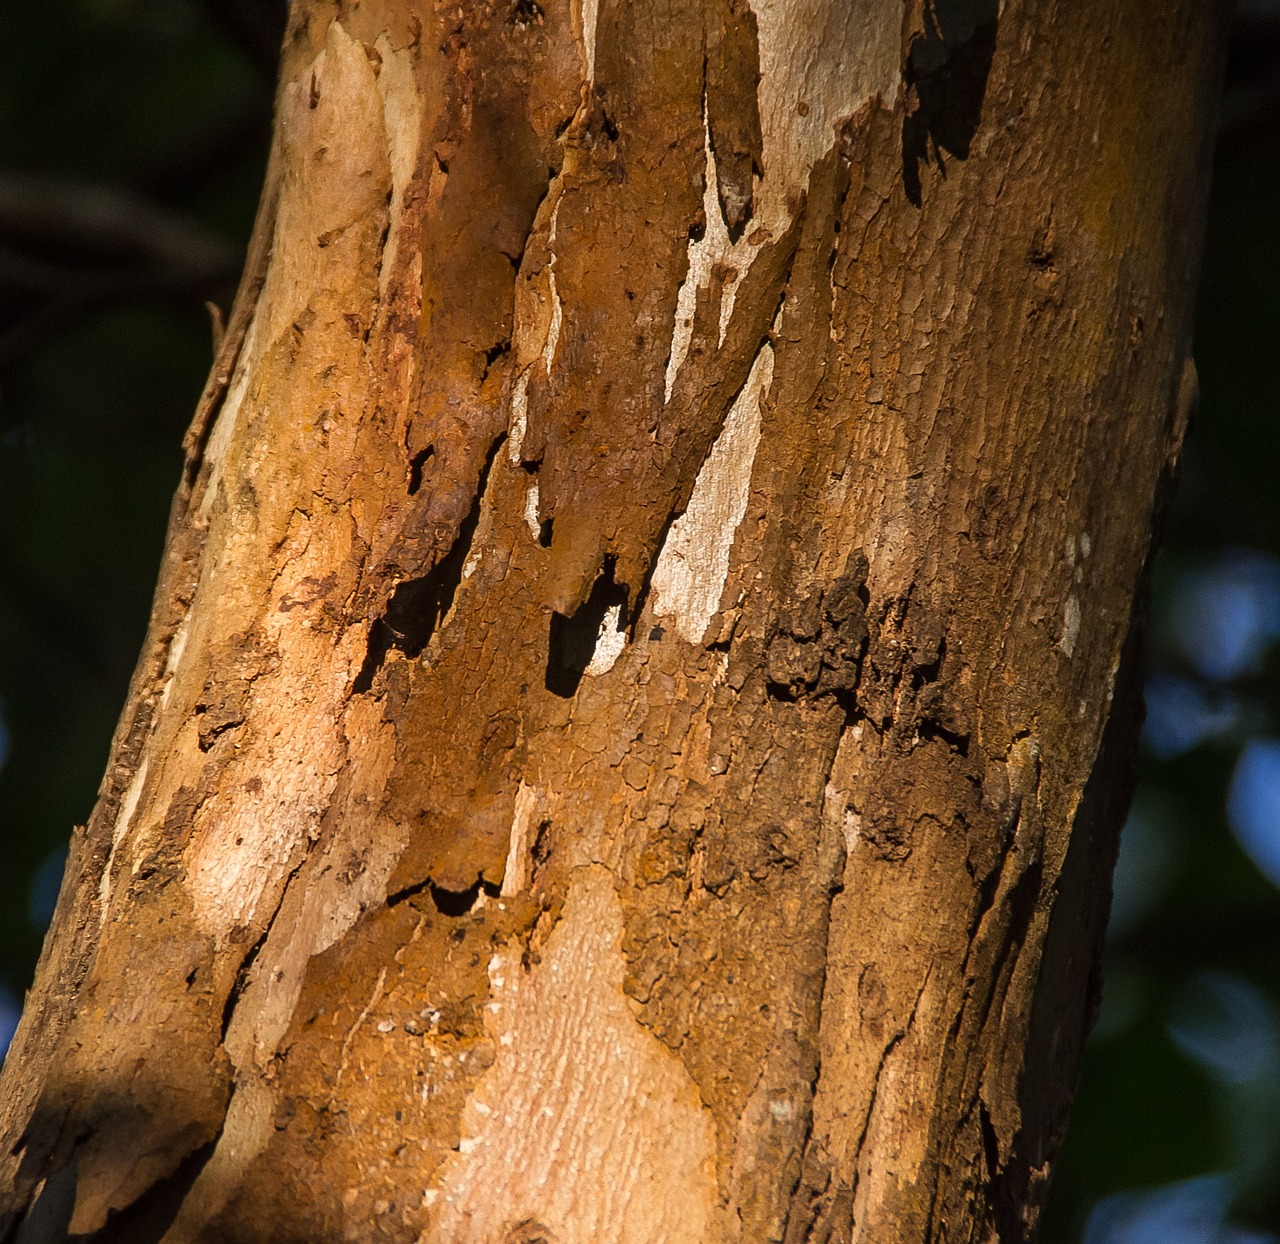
pixel 132 143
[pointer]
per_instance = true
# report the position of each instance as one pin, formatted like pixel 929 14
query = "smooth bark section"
pixel 638 703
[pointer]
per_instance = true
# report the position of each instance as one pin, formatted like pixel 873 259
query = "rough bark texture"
pixel 622 748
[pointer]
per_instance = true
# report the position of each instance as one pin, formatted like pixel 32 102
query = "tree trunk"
pixel 639 701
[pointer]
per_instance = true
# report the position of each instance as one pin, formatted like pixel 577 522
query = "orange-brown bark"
pixel 622 750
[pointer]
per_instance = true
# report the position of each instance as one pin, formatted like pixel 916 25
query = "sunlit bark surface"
pixel 622 749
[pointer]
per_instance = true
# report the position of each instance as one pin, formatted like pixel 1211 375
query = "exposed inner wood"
pixel 639 699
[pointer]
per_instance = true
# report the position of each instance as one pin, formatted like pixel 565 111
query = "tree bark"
pixel 640 697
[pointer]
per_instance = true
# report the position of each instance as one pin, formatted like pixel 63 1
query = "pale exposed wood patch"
pixel 519 417
pixel 539 318
pixel 269 810
pixel 838 815
pixel 820 61
pixel 129 805
pixel 586 13
pixel 694 563
pixel 1070 626
pixel 531 511
pixel 610 642
pixel 402 106
pixel 348 879
pixel 515 876
pixel 124 819
pixel 705 252
pixel 586 1123
pixel 557 312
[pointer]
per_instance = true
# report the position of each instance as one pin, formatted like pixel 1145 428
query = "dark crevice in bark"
pixel 819 1200
pixel 416 465
pixel 525 13
pixel 242 976
pixel 572 642
pixel 498 349
pixel 811 1199
pixel 1005 1188
pixel 1069 988
pixel 149 1218
pixel 539 854
pixel 405 893
pixel 452 903
pixel 990 1141
pixel 946 72
pixel 885 1053
pixel 646 583
pixel 383 238
pixel 460 902
pixel 1002 945
pixel 817 645
pixel 418 606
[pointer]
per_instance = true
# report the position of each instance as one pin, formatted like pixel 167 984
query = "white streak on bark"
pixel 520 391
pixel 129 804
pixel 531 500
pixel 557 317
pixel 402 106
pixel 519 417
pixel 609 643
pixel 586 1123
pixel 515 875
pixel 820 61
pixel 587 14
pixel 694 563
pixel 124 818
pixel 850 828
pixel 712 249
pixel 1070 626
pixel 177 646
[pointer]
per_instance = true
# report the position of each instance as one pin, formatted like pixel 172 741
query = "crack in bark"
pixel 574 639
pixel 418 608
pixel 885 1054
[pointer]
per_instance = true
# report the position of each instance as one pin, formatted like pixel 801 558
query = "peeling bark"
pixel 639 700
